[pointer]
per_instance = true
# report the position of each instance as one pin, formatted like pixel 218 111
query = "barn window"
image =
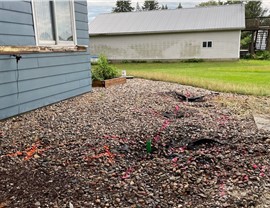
pixel 207 44
pixel 204 44
pixel 54 22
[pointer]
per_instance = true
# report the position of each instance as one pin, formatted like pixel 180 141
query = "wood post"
pixel 268 41
pixel 252 44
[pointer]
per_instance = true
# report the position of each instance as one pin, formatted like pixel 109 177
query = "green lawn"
pixel 243 77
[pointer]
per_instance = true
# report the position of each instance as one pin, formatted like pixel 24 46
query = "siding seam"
pixel 82 30
pixel 76 80
pixel 84 70
pixel 16 11
pixel 78 2
pixel 17 23
pixel 81 21
pixel 67 54
pixel 45 97
pixel 18 35
pixel 54 65
pixel 8 59
pixel 25 57
pixel 40 67
pixel 80 12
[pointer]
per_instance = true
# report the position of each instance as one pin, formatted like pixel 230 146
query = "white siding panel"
pixel 175 46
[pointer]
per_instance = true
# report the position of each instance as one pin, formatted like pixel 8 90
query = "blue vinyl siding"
pixel 16 40
pixel 81 15
pixel 17 18
pixel 16 29
pixel 17 6
pixel 39 79
pixel 16 23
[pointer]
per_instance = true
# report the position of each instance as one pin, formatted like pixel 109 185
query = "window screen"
pixel 54 22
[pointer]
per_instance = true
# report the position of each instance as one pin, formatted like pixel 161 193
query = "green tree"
pixel 179 6
pixel 123 6
pixel 234 2
pixel 246 39
pixel 150 5
pixel 209 3
pixel 164 7
pixel 138 8
pixel 255 9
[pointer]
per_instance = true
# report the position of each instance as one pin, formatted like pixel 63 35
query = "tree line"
pixel 253 8
pixel 125 6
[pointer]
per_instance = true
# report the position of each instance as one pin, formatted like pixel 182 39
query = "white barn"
pixel 196 33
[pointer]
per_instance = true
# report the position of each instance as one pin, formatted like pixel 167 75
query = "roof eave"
pixel 166 32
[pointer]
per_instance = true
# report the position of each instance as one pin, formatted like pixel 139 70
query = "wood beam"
pixel 10 50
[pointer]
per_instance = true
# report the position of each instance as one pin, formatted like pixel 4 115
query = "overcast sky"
pixel 96 7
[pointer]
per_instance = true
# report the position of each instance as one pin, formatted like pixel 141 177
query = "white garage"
pixel 196 33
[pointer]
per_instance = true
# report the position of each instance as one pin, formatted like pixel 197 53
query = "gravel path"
pixel 135 145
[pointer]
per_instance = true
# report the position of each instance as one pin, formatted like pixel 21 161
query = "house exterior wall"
pixel 171 46
pixel 44 78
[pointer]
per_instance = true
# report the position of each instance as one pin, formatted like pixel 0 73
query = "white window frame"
pixel 210 41
pixel 207 44
pixel 57 42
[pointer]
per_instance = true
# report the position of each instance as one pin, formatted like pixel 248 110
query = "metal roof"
pixel 225 17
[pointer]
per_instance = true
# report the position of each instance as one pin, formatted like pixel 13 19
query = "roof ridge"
pixel 167 10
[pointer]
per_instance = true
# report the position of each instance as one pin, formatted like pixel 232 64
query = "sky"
pixel 96 7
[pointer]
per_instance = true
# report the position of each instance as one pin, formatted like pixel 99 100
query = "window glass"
pixel 43 10
pixel 63 18
pixel 204 44
pixel 210 44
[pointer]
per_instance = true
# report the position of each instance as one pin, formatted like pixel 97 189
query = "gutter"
pixel 164 32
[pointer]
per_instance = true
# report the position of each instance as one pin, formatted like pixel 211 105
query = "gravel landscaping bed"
pixel 135 145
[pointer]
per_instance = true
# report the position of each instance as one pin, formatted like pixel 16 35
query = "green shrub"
pixel 103 70
pixel 138 61
pixel 246 41
pixel 262 55
pixel 94 63
pixel 259 55
pixel 194 60
pixel 248 56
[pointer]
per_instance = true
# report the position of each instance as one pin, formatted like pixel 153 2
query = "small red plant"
pixel 29 152
pixel 108 154
pixel 127 173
